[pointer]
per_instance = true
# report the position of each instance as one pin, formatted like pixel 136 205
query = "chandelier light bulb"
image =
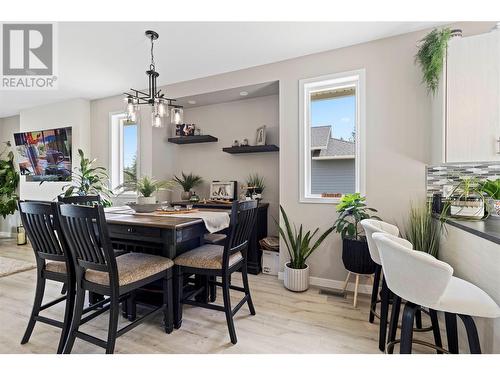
pixel 162 109
pixel 157 122
pixel 177 116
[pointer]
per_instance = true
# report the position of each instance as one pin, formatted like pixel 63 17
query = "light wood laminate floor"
pixel 286 322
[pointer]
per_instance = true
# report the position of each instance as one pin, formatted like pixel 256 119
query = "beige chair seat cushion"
pixel 214 238
pixel 132 267
pixel 54 266
pixel 206 257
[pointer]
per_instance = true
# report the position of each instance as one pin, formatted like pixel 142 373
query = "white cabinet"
pixel 472 114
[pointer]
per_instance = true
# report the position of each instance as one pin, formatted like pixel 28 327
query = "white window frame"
pixel 308 86
pixel 116 151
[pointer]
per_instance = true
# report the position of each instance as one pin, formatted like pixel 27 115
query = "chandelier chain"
pixel 152 65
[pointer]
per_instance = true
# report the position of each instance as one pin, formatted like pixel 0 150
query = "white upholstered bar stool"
pixel 423 280
pixel 371 226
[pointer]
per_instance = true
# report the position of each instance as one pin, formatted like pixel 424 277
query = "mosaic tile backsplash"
pixel 441 177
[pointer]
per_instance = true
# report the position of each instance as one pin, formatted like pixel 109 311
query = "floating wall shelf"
pixel 250 149
pixel 192 139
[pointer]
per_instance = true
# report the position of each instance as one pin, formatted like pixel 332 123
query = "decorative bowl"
pixel 143 208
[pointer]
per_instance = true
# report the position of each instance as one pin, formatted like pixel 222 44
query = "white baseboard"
pixel 335 284
pixel 7 234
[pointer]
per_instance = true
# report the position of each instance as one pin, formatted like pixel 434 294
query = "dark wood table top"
pixel 166 222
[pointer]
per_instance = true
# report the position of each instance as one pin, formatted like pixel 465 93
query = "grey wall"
pixel 8 126
pixel 333 176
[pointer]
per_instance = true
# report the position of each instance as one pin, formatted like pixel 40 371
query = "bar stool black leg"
pixel 384 312
pixel 407 328
pixel 40 289
pixel 227 308
pixel 435 330
pixel 418 319
pixel 451 332
pixel 75 321
pixel 178 291
pixel 376 284
pixel 168 308
pixel 470 327
pixel 68 314
pixel 393 325
pixel 244 275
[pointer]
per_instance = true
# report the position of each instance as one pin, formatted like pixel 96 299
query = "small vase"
pixel 185 195
pixel 296 280
pixel 146 200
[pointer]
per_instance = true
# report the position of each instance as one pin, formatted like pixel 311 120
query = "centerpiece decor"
pixel 355 254
pixel 146 187
pixel 299 246
pixel 188 182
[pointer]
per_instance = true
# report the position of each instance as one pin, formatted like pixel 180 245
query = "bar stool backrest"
pixel 413 275
pixel 375 226
pixel 83 200
pixel 243 216
pixel 88 240
pixel 42 227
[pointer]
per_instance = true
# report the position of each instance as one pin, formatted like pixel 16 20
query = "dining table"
pixel 157 233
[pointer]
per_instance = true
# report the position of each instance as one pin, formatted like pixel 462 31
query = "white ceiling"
pixel 103 59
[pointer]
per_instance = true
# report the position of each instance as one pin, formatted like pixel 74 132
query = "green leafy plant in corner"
pixel 9 180
pixel 146 186
pixel 298 242
pixel 188 181
pixel 89 180
pixel 256 182
pixel 422 230
pixel 352 209
pixel 430 56
pixel 491 188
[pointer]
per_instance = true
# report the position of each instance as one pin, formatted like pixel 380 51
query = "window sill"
pixel 319 200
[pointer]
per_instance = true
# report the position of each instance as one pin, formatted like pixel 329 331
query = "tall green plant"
pixel 188 181
pixel 352 209
pixel 89 180
pixel 422 230
pixel 298 243
pixel 9 180
pixel 430 56
pixel 256 181
pixel 146 186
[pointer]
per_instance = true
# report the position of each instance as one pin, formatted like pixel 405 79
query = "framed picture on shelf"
pixel 261 136
pixel 223 190
pixel 183 130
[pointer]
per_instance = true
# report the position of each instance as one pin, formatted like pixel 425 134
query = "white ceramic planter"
pixel 146 200
pixel 296 280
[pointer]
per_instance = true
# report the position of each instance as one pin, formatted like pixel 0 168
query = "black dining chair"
pixel 82 200
pixel 219 261
pixel 53 263
pixel 98 270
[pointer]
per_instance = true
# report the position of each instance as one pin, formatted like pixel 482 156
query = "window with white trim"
pixel 124 150
pixel 331 126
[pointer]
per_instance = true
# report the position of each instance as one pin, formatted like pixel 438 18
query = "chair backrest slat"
pixel 82 200
pixel 243 216
pixel 88 239
pixel 42 227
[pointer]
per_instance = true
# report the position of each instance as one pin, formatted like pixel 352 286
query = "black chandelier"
pixel 161 106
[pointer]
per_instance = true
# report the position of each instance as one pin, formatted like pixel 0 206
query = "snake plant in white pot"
pixel 300 247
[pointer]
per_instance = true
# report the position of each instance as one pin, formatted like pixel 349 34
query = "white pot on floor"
pixel 296 280
pixel 146 200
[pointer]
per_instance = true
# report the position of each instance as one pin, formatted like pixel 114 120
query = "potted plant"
pixel 431 54
pixel 466 201
pixel 89 180
pixel 422 230
pixel 146 187
pixel 355 254
pixel 9 180
pixel 255 186
pixel 187 182
pixel 492 189
pixel 298 244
